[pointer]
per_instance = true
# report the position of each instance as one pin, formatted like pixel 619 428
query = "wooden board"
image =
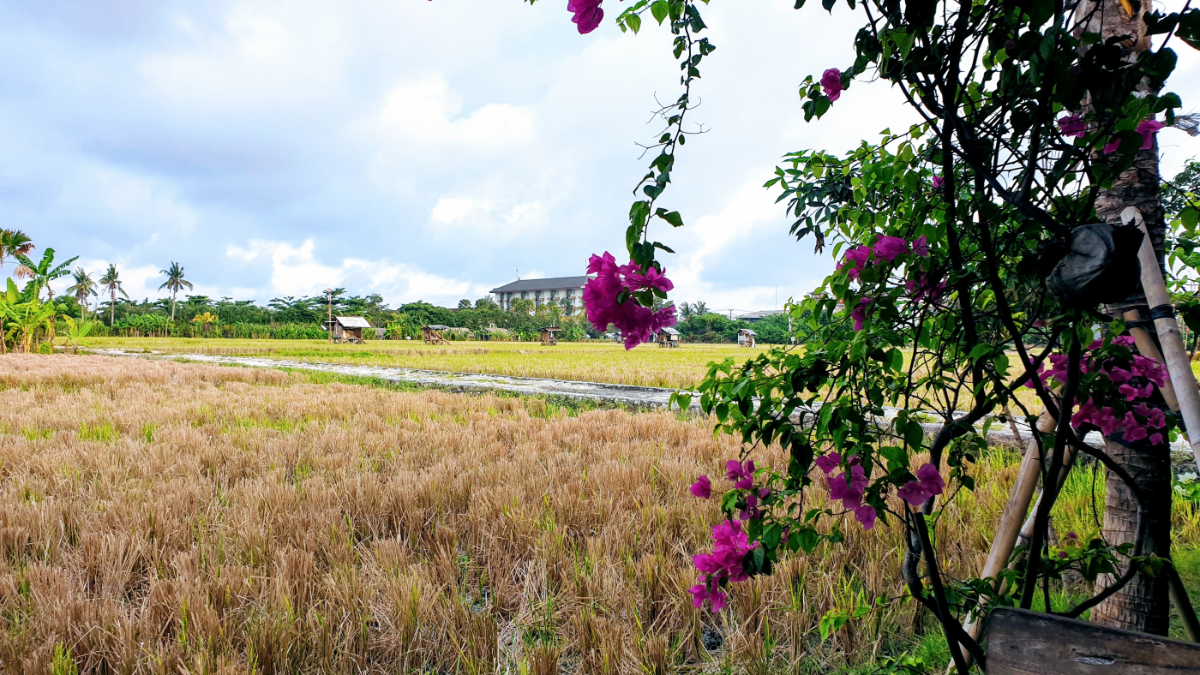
pixel 1020 642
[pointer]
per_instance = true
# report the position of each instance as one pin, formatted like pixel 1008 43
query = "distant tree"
pixel 174 283
pixel 486 302
pixel 44 271
pixel 699 308
pixel 464 304
pixel 522 306
pixel 111 283
pixel 84 286
pixel 205 320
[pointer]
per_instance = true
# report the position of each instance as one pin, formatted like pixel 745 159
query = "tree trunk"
pixel 172 306
pixel 1143 605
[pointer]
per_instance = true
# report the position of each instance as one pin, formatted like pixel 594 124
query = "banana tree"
pixel 77 331
pixel 43 272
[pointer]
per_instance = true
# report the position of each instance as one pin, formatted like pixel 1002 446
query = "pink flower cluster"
pixel 923 287
pixel 730 546
pixel 831 83
pixel 848 487
pixel 588 14
pixel 1141 421
pixel 928 484
pixel 1074 126
pixel 886 248
pixel 600 298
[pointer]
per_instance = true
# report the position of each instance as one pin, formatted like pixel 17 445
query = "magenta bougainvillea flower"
pixel 888 248
pixel 924 287
pixel 742 474
pixel 1147 129
pixel 600 298
pixel 937 182
pixel 831 82
pixel 702 488
pixel 1072 125
pixel 730 546
pixel 859 255
pixel 920 247
pixel 828 463
pixel 859 313
pixel 1112 146
pixel 928 484
pixel 588 14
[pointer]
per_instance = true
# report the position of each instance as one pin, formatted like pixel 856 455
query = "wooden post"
pixel 329 304
pixel 1174 354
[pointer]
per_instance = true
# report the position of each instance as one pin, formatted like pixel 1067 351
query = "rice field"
pixel 594 361
pixel 158 517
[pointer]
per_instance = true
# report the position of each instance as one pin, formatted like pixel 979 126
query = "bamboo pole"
pixel 1015 509
pixel 1174 355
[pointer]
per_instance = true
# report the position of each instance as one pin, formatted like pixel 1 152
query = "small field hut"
pixel 434 333
pixel 550 335
pixel 746 338
pixel 668 337
pixel 348 328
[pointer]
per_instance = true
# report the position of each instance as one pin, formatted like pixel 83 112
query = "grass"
pixel 595 361
pixel 166 517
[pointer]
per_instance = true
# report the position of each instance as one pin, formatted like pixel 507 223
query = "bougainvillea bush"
pixel 948 235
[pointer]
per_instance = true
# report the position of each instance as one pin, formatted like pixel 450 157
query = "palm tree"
pixel 111 282
pixel 13 243
pixel 84 286
pixel 175 281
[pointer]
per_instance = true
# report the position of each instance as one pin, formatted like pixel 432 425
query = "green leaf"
pixel 634 22
pixel 671 217
pixel 828 5
pixel 659 10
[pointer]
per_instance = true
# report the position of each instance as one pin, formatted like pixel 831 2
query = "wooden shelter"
pixel 550 335
pixel 668 337
pixel 348 328
pixel 746 338
pixel 433 333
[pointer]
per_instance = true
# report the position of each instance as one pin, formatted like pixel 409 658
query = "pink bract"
pixel 920 246
pixel 588 14
pixel 889 248
pixel 828 463
pixel 702 488
pixel 1147 128
pixel 1073 125
pixel 859 313
pixel 831 82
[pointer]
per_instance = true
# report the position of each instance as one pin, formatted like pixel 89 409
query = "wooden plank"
pixel 1020 642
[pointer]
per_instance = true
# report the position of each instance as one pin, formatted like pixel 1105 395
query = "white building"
pixel 542 291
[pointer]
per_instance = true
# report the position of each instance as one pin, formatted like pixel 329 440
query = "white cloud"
pixel 296 271
pixel 428 112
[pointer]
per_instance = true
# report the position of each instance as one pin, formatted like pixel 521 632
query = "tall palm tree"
pixel 111 282
pixel 174 282
pixel 13 243
pixel 84 286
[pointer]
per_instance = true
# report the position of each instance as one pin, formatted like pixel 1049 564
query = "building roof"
pixel 760 315
pixel 352 322
pixel 551 328
pixel 670 331
pixel 748 331
pixel 552 284
pixel 437 326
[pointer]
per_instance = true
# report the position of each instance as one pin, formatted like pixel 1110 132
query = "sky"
pixel 422 150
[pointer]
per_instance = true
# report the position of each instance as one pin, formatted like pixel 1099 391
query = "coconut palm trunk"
pixel 1143 605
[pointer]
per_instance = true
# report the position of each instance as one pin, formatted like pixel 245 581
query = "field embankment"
pixel 166 517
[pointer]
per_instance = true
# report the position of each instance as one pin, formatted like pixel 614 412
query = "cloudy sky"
pixel 417 149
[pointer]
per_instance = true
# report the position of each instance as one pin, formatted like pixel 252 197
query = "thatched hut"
pixel 668 337
pixel 746 338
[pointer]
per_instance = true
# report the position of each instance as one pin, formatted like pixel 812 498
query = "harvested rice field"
pixel 593 361
pixel 159 517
